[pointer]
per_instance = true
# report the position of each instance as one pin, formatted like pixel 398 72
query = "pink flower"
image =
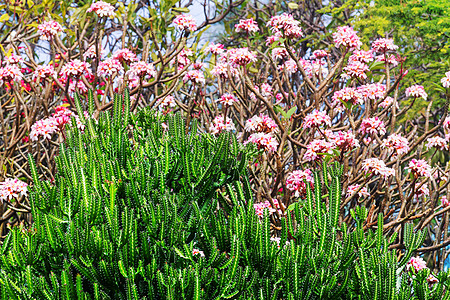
pixel 295 181
pixel 102 9
pixel 391 59
pixel 290 66
pixel 266 90
pixel 197 252
pixel 76 68
pixel 347 95
pixel 272 39
pixel 260 207
pixel 264 141
pixel 221 70
pixel 316 119
pixel 346 37
pixel 185 22
pixel 168 101
pixel 437 142
pixel 420 168
pixel 446 80
pixel 387 102
pixel 416 91
pixel 445 201
pixel 125 55
pixel 384 45
pixel 353 188
pixel 142 69
pixel 45 71
pixel 247 26
pixel 227 99
pixel 318 54
pixel 48 30
pixel 372 126
pixel 214 49
pixel 377 167
pixel 373 91
pixel 12 188
pixel 241 56
pixel 10 73
pixel 416 264
pixel 261 123
pixel 218 125
pixel 279 53
pixel 196 76
pixel 345 141
pixel 316 148
pixel 109 67
pixel 397 143
pixel 285 25
pixel 431 279
pixel 13 59
pixel 446 123
pixel 361 56
pixel 357 69
pixel 422 190
pixel 45 127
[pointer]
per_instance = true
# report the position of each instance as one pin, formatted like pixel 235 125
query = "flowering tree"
pixel 302 107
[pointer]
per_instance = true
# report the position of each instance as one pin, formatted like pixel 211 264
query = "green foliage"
pixel 132 201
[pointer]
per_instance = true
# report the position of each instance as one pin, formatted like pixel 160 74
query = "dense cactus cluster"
pixel 142 209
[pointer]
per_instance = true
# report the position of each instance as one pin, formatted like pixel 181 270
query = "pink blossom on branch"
pixel 377 167
pixel 49 29
pixel 416 264
pixel 10 73
pixel 347 95
pixel 318 54
pixel 316 148
pixel 361 56
pixel 265 141
pixel 12 188
pixel 76 68
pixel 102 9
pixel 185 22
pixel 45 71
pixel 384 45
pixel 215 49
pixel 446 80
pixel 416 91
pixel 241 56
pixel 247 26
pixel 196 76
pixel 227 99
pixel 218 125
pixel 316 119
pixel 125 55
pixel 396 143
pixel 438 143
pixel 372 126
pixel 13 59
pixel 347 37
pixel 142 69
pixel 361 193
pixel 295 181
pixel 261 123
pixel 109 67
pixel 420 168
pixel 285 25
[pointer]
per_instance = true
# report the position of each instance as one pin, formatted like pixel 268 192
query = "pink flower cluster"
pixel 347 37
pixel 102 9
pixel 356 69
pixel 265 141
pixel 10 73
pixel 12 188
pixel 318 54
pixel 279 53
pixel 259 207
pixel 48 126
pixel 416 91
pixel 387 102
pixel 295 181
pixel 316 119
pixel 372 126
pixel 377 167
pixel 372 91
pixel 76 68
pixel 196 76
pixel 361 56
pixel 197 252
pixel 446 80
pixel 241 56
pixel 218 125
pixel 285 25
pixel 215 49
pixel 247 26
pixel 420 168
pixel 142 69
pixel 13 59
pixel 168 101
pixel 345 141
pixel 125 55
pixel 384 45
pixel 445 201
pixel 185 22
pixel 316 148
pixel 347 95
pixel 416 264
pixel 261 123
pixel 396 143
pixel 109 67
pixel 45 71
pixel 361 193
pixel 227 99
pixel 437 142
pixel 48 30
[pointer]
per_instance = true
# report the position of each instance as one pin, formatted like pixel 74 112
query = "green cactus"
pixel 133 204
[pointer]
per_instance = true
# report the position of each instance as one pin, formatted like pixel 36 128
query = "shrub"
pixel 141 211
